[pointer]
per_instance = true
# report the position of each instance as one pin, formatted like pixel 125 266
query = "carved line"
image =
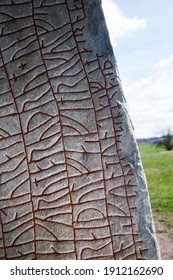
pixel 58 109
pixel 22 135
pixel 122 170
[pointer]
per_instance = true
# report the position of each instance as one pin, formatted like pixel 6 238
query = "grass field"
pixel 158 167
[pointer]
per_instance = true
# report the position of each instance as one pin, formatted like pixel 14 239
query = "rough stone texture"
pixel 71 180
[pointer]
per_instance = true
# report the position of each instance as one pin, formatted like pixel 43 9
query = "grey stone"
pixel 71 181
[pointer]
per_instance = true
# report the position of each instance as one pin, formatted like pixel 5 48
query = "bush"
pixel 166 141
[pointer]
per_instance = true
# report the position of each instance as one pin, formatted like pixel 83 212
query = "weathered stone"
pixel 72 184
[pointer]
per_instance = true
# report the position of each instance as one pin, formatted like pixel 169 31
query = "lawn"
pixel 158 167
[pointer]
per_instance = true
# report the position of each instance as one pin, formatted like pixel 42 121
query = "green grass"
pixel 158 167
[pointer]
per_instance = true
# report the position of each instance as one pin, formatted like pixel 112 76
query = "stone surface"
pixel 71 181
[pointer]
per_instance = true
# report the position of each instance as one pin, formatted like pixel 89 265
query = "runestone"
pixel 72 186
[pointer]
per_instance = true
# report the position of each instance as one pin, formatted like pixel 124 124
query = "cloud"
pixel 150 100
pixel 119 25
pixel 164 62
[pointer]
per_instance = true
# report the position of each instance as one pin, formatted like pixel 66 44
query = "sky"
pixel 141 33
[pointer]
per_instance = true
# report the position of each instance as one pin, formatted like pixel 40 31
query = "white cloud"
pixel 151 100
pixel 119 25
pixel 164 62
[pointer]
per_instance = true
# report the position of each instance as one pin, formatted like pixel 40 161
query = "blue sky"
pixel 142 37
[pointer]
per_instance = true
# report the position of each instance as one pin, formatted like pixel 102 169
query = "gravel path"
pixel 166 245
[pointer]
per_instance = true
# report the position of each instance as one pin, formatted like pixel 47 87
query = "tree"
pixel 166 141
